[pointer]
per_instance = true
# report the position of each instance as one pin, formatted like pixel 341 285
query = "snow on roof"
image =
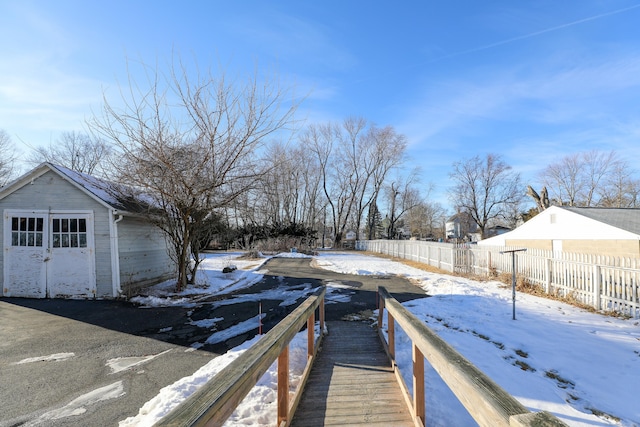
pixel 118 196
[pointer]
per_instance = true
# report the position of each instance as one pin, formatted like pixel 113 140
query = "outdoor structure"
pixel 600 231
pixel 71 235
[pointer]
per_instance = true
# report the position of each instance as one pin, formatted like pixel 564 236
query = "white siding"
pixel 143 254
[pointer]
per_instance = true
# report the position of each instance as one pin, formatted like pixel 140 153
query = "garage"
pixel 70 235
pixel 49 254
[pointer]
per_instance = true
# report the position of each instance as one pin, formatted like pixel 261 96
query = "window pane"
pixel 56 241
pixel 38 239
pixel 14 224
pixel 56 225
pixel 23 239
pixel 39 222
pixel 82 225
pixel 31 224
pixel 74 240
pixel 73 225
pixel 83 240
pixel 65 240
pixel 65 225
pixel 14 238
pixel 23 224
pixel 31 239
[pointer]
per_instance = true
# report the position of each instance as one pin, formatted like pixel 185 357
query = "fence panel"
pixel 602 282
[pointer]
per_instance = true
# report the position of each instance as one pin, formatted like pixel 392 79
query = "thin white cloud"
pixel 538 33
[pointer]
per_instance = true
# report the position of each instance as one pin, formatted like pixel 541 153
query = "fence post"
pixel 597 281
pixel 547 275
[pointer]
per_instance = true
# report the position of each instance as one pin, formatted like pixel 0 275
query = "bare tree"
pixel 7 157
pixel 385 152
pixel 322 140
pixel 485 188
pixel 621 187
pixel 426 219
pixel 564 180
pixel 76 151
pixel 402 196
pixel 592 178
pixel 191 143
pixel 354 159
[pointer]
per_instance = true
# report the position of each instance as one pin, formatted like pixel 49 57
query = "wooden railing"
pixel 485 401
pixel 215 401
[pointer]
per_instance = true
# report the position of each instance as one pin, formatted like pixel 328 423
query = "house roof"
pixel 109 194
pixel 575 223
pixel 627 219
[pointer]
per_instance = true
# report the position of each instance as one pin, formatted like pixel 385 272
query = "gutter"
pixel 115 252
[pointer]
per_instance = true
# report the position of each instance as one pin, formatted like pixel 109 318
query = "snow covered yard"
pixel 580 366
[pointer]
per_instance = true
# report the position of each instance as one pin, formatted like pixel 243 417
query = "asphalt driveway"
pixel 70 362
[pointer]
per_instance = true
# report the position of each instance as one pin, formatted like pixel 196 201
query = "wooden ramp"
pixel 352 382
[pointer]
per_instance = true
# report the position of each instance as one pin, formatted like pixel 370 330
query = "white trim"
pixel 115 257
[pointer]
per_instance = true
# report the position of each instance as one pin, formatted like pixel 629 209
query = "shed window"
pixel 69 233
pixel 26 231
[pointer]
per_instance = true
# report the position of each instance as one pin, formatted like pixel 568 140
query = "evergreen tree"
pixel 374 222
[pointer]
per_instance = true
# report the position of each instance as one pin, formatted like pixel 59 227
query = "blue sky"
pixel 530 80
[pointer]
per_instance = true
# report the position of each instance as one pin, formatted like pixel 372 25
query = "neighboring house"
pixel 461 226
pixel 497 230
pixel 70 235
pixel 605 231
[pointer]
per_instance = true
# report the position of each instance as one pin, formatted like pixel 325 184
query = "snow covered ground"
pixel 582 367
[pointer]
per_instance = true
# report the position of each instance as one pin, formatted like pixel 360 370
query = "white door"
pixel 71 268
pixel 25 254
pixel 49 254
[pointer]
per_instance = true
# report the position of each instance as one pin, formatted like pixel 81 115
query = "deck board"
pixel 352 382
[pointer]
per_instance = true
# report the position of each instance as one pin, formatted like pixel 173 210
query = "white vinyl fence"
pixel 605 283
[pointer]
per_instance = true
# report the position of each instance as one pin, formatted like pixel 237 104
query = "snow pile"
pixel 211 281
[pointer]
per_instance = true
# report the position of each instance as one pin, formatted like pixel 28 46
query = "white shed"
pixel 604 231
pixel 69 235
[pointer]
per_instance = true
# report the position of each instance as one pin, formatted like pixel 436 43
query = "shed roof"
pixel 111 195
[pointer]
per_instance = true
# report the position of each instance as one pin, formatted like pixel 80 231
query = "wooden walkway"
pixel 352 382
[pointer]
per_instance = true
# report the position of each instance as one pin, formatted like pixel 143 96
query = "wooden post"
pixel 321 315
pixel 283 385
pixel 392 336
pixel 311 326
pixel 380 311
pixel 418 384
